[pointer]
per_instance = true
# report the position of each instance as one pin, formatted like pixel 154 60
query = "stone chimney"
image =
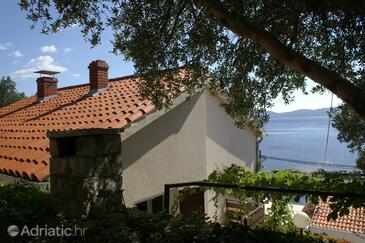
pixel 98 71
pixel 46 87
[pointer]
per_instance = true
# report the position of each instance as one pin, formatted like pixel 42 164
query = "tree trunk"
pixel 343 88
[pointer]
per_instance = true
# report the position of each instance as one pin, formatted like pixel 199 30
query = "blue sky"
pixel 23 51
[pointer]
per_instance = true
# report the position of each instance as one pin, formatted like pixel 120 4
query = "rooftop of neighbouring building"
pixel 354 222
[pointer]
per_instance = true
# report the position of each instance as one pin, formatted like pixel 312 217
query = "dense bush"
pixel 20 205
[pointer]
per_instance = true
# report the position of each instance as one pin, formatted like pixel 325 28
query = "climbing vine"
pixel 279 214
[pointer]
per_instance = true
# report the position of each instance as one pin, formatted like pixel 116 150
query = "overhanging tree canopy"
pixel 254 51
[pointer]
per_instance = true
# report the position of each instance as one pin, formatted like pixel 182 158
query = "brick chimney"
pixel 46 87
pixel 98 71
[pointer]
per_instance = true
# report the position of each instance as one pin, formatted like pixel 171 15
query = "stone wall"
pixel 86 170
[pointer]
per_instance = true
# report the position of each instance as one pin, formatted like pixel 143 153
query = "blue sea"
pixel 303 138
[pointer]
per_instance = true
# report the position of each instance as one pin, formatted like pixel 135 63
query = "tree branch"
pixel 343 88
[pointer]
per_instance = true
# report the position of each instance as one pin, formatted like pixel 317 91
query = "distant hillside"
pixel 303 112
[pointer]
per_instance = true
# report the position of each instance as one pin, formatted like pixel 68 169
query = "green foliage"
pixel 360 162
pixel 22 205
pixel 19 203
pixel 159 35
pixel 280 215
pixel 8 93
pixel 135 226
pixel 351 130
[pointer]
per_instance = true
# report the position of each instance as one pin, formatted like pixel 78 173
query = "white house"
pixel 185 143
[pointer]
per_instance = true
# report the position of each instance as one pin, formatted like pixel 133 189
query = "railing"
pixel 255 188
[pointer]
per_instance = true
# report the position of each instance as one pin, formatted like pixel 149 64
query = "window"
pixel 193 202
pixel 153 205
pixel 157 204
pixel 142 206
pixel 189 205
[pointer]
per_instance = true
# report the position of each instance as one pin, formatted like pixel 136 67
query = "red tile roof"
pixel 24 146
pixel 353 222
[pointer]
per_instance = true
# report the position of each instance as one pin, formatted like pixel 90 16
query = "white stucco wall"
pixel 225 145
pixel 186 144
pixel 169 150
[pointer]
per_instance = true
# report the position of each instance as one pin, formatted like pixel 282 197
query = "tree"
pixel 352 131
pixel 252 51
pixel 8 92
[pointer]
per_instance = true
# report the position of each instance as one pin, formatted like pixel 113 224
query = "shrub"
pixel 21 205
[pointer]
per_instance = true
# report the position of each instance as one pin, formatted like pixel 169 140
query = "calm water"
pixel 303 138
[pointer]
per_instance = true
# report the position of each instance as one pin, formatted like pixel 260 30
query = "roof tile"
pixel 24 147
pixel 353 222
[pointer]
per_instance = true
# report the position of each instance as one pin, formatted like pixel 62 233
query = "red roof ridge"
pixel 123 77
pixel 87 84
pixel 73 86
